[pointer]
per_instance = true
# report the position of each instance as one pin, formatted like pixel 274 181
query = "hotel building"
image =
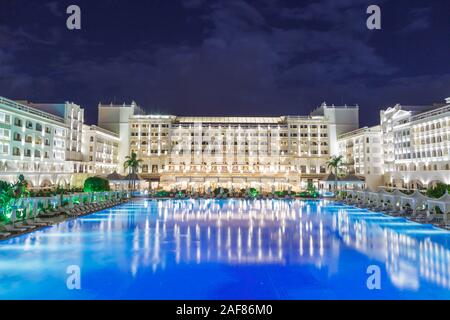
pixel 100 150
pixel 416 143
pixel 50 144
pixel 362 152
pixel 44 143
pixel 409 149
pixel 197 153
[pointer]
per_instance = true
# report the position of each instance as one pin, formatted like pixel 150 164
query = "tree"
pixel 335 164
pixel 132 164
pixel 438 190
pixel 20 187
pixel 96 184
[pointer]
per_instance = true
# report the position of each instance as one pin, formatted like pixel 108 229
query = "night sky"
pixel 202 57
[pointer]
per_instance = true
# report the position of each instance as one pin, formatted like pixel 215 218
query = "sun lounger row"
pixel 420 216
pixel 45 219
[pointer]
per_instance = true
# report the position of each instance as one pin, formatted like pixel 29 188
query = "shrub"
pixel 253 193
pixel 96 184
pixel 162 194
pixel 438 191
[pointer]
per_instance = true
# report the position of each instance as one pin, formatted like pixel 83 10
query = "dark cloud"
pixel 54 8
pixel 420 20
pixel 225 57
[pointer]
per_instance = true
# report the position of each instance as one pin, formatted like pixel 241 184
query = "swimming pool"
pixel 229 249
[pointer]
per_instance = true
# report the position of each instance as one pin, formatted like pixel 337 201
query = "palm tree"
pixel 132 164
pixel 335 164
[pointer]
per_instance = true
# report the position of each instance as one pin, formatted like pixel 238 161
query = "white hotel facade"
pixel 47 143
pixel 409 149
pixel 267 153
pixel 50 144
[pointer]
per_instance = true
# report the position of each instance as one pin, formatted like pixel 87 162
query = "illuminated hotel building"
pixel 44 143
pixel 100 150
pixel 197 153
pixel 50 144
pixel 416 143
pixel 362 152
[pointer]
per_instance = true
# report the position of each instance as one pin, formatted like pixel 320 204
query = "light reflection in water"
pixel 156 235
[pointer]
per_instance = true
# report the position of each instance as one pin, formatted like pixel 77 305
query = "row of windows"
pixel 38 140
pixel 135 125
pixel 419 155
pixel 430 167
pixel 428 127
pixel 217 126
pixel 152 134
pixel 305 126
pixel 37 126
pixel 37 153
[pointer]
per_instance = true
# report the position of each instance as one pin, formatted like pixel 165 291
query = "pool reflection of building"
pixel 407 259
pixel 261 232
pixel 241 232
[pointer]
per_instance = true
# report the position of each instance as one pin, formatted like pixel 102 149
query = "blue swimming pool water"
pixel 229 249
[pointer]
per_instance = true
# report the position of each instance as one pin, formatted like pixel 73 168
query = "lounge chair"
pixel 21 224
pixel 13 229
pixel 37 222
pixel 78 211
pixel 52 213
pixel 4 235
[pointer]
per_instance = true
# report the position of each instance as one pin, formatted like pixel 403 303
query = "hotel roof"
pixel 265 120
pixel 23 107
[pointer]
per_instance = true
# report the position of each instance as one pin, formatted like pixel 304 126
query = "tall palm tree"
pixel 335 164
pixel 132 164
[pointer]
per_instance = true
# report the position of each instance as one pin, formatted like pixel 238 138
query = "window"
pixel 16 151
pixel 17 136
pixel 4 149
pixel 5 118
pixel 17 122
pixel 4 134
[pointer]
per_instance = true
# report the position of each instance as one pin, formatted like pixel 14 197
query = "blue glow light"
pixel 229 249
